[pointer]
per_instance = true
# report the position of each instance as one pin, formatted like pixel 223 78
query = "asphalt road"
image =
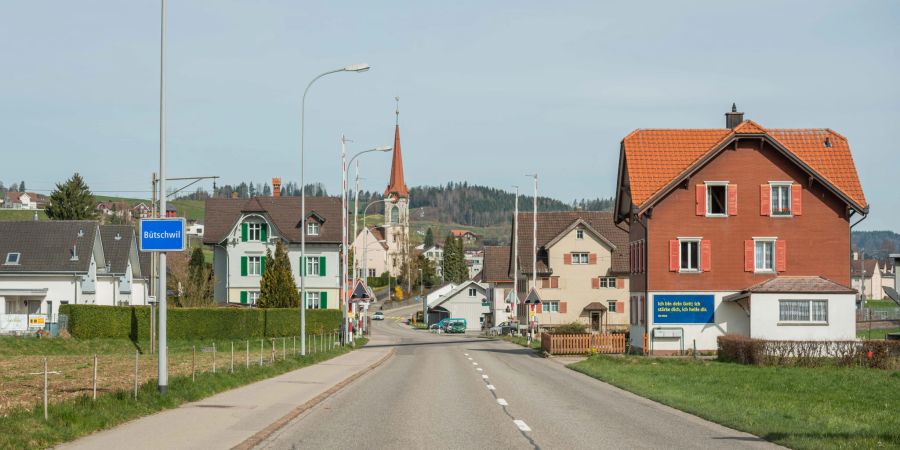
pixel 432 394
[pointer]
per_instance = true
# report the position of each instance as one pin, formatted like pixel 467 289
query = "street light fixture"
pixel 358 68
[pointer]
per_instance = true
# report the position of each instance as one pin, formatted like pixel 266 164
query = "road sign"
pixel 162 235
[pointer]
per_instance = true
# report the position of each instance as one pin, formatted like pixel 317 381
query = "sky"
pixel 489 91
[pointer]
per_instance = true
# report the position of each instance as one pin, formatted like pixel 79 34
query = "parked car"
pixel 503 329
pixel 378 315
pixel 455 326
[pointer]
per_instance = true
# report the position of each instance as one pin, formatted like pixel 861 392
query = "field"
pixel 21 214
pixel 875 333
pixel 796 407
pixel 21 358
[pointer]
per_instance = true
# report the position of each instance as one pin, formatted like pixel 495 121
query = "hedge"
pixel 133 322
pixel 761 352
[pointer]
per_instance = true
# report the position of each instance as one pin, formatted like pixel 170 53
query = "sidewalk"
pixel 230 418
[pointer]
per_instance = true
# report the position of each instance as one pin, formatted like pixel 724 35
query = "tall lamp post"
pixel 533 252
pixel 344 226
pixel 358 68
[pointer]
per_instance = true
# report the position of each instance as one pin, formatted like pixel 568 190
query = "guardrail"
pixel 579 344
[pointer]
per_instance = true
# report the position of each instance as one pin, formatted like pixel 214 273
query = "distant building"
pixel 474 262
pixel 467 236
pixel 20 200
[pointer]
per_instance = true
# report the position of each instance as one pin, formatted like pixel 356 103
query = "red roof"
pixel 398 184
pixel 656 157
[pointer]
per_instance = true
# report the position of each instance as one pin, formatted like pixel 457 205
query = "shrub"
pixel 133 322
pixel 744 350
pixel 570 328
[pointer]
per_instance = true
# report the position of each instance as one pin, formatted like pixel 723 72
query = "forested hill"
pixel 876 244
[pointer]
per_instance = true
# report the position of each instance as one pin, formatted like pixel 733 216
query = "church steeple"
pixel 397 185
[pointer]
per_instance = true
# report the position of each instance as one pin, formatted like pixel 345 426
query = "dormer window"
pixel 253 231
pixel 312 228
pixel 12 258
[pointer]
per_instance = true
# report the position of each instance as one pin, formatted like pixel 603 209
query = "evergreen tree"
pixel 72 200
pixel 22 186
pixel 454 260
pixel 429 238
pixel 277 288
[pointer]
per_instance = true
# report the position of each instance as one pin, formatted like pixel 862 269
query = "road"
pixel 450 391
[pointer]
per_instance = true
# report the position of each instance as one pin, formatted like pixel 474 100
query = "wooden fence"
pixel 579 344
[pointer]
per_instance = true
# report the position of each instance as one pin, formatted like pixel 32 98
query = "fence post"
pixel 247 362
pixel 136 354
pixel 95 379
pixel 45 389
pixel 294 339
pixel 273 350
pixel 214 357
pixel 260 352
pixel 232 356
pixel 193 362
pixel 283 347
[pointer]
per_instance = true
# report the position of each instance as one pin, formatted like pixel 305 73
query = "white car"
pixel 378 315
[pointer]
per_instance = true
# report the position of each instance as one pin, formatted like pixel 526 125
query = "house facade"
pixel 722 219
pixel 242 230
pixel 469 300
pixel 581 271
pixel 496 274
pixel 867 278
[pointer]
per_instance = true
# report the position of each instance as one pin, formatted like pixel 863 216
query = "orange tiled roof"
pixel 656 157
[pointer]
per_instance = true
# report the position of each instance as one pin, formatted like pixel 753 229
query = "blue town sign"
pixel 162 235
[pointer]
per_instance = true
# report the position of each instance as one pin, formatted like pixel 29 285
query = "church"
pixel 384 248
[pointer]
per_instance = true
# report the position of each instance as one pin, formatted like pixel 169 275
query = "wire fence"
pixel 22 378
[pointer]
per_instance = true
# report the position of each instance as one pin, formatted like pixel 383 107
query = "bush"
pixel 570 328
pixel 760 352
pixel 133 322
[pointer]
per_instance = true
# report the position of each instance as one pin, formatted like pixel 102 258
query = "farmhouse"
pixel 742 230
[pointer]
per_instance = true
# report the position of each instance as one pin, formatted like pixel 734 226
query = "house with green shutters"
pixel 241 230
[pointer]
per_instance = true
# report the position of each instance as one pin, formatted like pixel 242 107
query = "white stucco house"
pixel 470 300
pixel 241 230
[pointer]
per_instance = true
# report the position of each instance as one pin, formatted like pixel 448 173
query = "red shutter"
pixel 554 282
pixel 796 199
pixel 545 283
pixel 765 201
pixel 620 307
pixel 701 199
pixel 780 255
pixel 732 200
pixel 673 255
pixel 748 255
pixel 592 258
pixel 567 258
pixel 563 307
pixel 539 308
pixel 595 283
pixel 705 255
pixel 620 283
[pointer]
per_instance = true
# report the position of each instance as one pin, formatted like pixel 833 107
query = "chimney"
pixel 733 118
pixel 276 187
pixel 234 194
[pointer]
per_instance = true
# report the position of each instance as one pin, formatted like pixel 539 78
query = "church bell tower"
pixel 396 210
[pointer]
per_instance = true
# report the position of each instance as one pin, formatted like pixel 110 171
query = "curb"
pixel 263 434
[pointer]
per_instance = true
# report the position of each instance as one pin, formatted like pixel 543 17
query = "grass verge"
pixel 519 340
pixel 877 333
pixel 73 418
pixel 791 406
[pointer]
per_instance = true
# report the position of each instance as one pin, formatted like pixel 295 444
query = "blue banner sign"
pixel 684 309
pixel 162 235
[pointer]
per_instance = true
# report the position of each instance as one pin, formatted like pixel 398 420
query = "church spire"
pixel 397 185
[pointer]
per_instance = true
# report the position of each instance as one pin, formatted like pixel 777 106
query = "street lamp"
pixel 344 250
pixel 358 68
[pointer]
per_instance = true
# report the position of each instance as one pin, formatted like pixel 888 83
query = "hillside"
pixel 877 244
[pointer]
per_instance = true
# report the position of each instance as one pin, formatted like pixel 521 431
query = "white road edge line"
pixel 522 425
pixel 491 387
pixel 502 402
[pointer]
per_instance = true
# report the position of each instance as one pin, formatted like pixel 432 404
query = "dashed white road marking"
pixel 491 387
pixel 484 376
pixel 469 359
pixel 466 354
pixel 480 369
pixel 502 402
pixel 522 425
pixel 474 363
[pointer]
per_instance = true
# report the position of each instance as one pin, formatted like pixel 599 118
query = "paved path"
pixel 231 418
pixel 451 391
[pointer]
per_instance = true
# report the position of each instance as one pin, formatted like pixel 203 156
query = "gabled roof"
pixel 550 225
pixel 655 159
pixel 793 285
pixel 223 214
pixel 117 241
pixel 46 246
pixel 870 265
pixel 457 290
pixel 495 267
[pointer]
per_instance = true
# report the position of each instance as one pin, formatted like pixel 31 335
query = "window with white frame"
pixel 473 292
pixel 253 297
pixel 253 231
pixel 371 272
pixel 579 234
pixel 579 258
pixel 781 199
pixel 764 251
pixel 312 228
pixel 551 306
pixel 13 258
pixel 716 199
pixel 607 282
pixel 611 306
pixel 803 311
pixel 254 265
pixel 312 265
pixel 689 255
pixel 312 300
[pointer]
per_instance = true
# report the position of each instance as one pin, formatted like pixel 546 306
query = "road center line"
pixel 522 425
pixel 484 376
pixel 480 369
pixel 474 363
pixel 502 402
pixel 491 387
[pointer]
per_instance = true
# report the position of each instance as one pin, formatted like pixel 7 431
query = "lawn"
pixel 21 214
pixel 795 407
pixel 877 333
pixel 519 340
pixel 24 427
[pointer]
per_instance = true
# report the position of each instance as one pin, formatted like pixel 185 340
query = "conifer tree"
pixel 277 288
pixel 72 200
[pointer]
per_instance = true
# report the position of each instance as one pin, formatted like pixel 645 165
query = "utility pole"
pixel 515 269
pixel 343 277
pixel 163 370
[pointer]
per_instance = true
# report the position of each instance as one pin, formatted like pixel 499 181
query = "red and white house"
pixel 742 230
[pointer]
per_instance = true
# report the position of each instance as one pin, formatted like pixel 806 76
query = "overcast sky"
pixel 489 91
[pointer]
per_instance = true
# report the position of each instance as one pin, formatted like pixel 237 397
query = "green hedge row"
pixel 133 322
